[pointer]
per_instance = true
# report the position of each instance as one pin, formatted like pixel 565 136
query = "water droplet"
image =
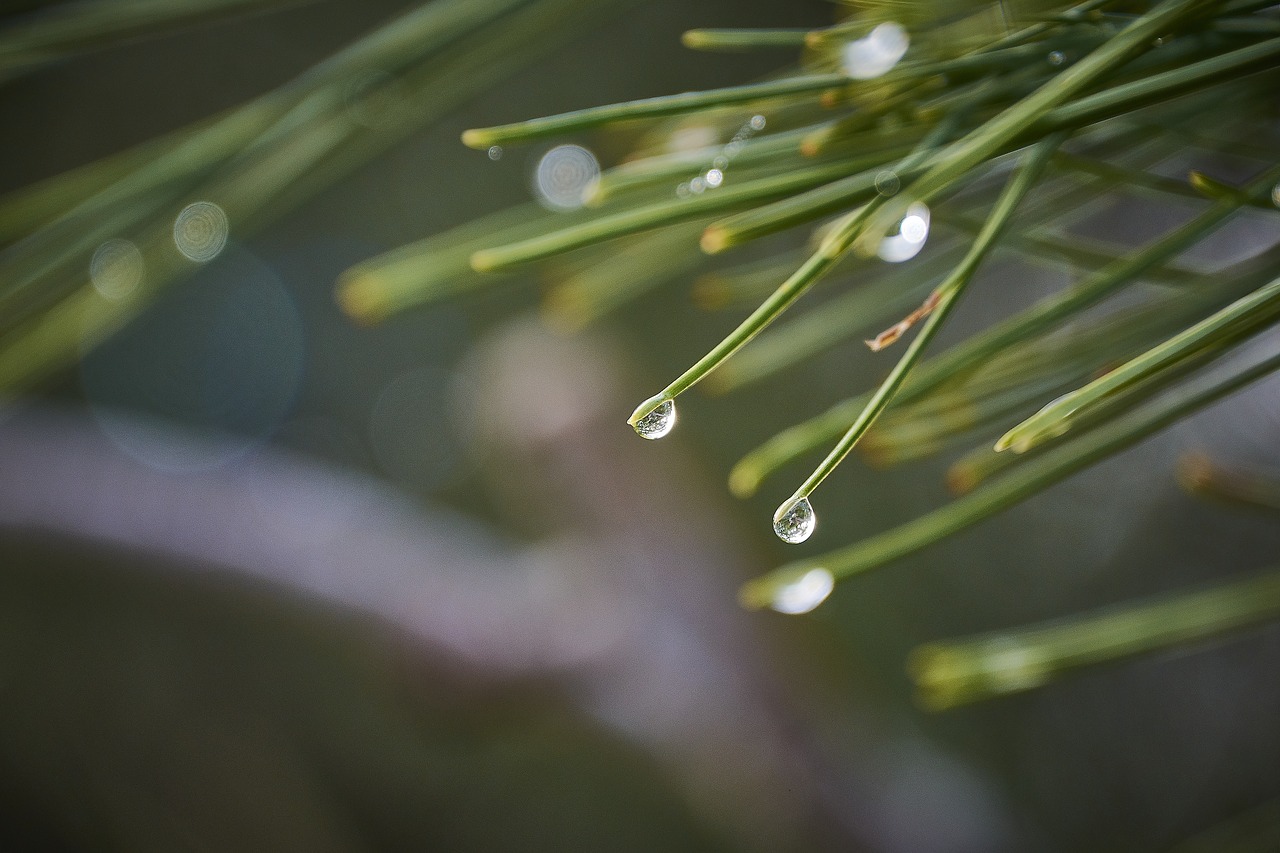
pixel 200 231
pixel 495 152
pixel 683 190
pixel 1057 57
pixel 887 182
pixel 757 122
pixel 720 162
pixel 714 178
pixel 876 53
pixel 794 522
pixel 657 423
pixel 563 176
pixel 697 185
pixel 1275 195
pixel 913 231
pixel 116 269
pixel 804 593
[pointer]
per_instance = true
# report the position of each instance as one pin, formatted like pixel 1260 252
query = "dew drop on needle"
pixel 657 423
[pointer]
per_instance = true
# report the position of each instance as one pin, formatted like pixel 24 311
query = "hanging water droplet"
pixel 804 593
pixel 495 152
pixel 794 522
pixel 1057 57
pixel 657 423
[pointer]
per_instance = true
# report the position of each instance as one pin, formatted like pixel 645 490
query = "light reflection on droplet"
pixel 657 423
pixel 876 53
pixel 912 234
pixel 804 593
pixel 116 269
pixel 757 122
pixel 714 178
pixel 888 183
pixel 1057 57
pixel 495 152
pixel 200 231
pixel 563 177
pixel 795 522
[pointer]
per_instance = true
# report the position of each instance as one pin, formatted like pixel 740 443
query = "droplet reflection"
pixel 804 593
pixel 657 423
pixel 563 176
pixel 200 231
pixel 876 53
pixel 795 522
pixel 495 152
pixel 116 269
pixel 913 231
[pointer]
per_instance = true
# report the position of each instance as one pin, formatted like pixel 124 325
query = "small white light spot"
pixel 200 231
pixel 877 52
pixel 714 178
pixel 913 231
pixel 563 176
pixel 116 269
pixel 804 593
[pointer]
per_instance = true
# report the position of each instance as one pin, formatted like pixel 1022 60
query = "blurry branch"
pixel 956 672
pixel 64 29
pixel 254 162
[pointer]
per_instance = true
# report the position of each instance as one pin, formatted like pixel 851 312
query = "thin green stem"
pixel 1255 311
pixel 971 669
pixel 1030 479
pixel 736 40
pixel 666 105
pixel 945 297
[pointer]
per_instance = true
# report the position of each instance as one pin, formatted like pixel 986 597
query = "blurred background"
pixel 275 581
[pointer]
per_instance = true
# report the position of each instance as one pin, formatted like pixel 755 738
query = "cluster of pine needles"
pixel 981 129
